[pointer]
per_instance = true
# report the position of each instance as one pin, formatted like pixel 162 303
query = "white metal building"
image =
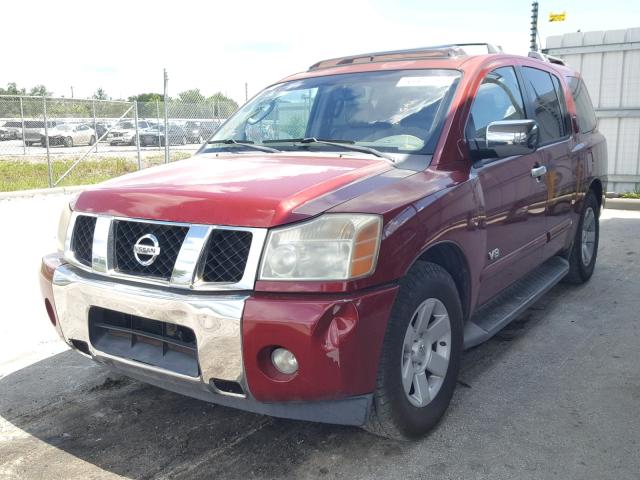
pixel 609 62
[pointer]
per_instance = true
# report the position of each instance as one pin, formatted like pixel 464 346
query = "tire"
pixel 92 140
pixel 133 141
pixel 581 264
pixel 29 144
pixel 396 412
pixel 67 142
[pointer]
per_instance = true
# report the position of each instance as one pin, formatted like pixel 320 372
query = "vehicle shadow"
pixel 139 431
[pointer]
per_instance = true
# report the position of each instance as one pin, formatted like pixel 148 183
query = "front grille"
pixel 226 256
pixel 127 233
pixel 161 344
pixel 82 239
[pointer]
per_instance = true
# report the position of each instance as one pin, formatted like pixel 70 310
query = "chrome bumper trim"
pixel 215 320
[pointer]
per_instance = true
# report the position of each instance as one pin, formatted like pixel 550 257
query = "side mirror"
pixel 512 137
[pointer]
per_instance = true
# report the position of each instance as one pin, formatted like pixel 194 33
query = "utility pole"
pixel 533 46
pixel 166 117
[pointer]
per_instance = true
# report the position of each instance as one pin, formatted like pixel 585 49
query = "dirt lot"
pixel 556 395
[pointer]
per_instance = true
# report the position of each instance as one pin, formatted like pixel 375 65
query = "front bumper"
pixel 123 140
pixel 337 340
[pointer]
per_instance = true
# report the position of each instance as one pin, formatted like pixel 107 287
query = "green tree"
pixel 191 96
pixel 41 91
pixel 100 94
pixel 223 105
pixel 12 89
pixel 146 97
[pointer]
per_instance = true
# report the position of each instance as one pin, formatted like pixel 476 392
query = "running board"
pixel 494 315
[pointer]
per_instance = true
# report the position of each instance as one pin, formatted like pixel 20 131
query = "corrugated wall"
pixel 609 62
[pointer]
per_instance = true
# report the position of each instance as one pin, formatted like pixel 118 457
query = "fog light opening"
pixel 284 361
pixel 227 387
pixel 81 346
pixel 50 312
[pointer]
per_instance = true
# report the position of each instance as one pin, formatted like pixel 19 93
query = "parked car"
pixel 34 131
pixel 156 135
pixel 192 129
pixel 399 208
pixel 4 134
pixel 11 130
pixel 101 128
pixel 124 133
pixel 70 135
pixel 208 127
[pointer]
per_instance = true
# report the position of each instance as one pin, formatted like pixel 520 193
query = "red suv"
pixel 335 246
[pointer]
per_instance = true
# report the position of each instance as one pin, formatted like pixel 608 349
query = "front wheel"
pixel 92 140
pixel 420 357
pixel 584 252
pixel 68 142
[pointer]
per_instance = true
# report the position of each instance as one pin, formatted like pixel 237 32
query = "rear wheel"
pixel 421 355
pixel 584 252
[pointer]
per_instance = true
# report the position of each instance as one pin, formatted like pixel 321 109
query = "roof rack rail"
pixel 437 51
pixel 546 58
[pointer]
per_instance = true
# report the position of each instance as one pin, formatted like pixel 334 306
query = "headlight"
pixel 330 247
pixel 63 226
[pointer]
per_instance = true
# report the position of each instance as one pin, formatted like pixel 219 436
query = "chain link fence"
pixel 47 142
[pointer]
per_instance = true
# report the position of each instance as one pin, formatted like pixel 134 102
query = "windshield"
pixel 126 125
pixel 398 111
pixel 65 127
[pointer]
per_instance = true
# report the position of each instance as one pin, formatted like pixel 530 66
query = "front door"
pixel 514 200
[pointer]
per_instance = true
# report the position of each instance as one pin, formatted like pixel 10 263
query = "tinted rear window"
pixel 548 109
pixel 584 108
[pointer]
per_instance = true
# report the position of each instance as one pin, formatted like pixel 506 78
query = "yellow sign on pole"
pixel 558 17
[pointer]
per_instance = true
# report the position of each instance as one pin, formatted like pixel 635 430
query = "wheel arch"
pixel 451 257
pixel 596 186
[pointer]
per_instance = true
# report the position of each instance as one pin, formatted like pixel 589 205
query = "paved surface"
pixel 555 395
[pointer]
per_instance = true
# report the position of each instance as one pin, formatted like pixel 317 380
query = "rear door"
pixel 558 150
pixel 514 200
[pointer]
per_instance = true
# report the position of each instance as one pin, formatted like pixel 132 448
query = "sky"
pixel 219 45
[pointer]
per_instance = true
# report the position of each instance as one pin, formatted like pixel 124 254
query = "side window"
pixel 584 108
pixel 498 98
pixel 563 103
pixel 548 111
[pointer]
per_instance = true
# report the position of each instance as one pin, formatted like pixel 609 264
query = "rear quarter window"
pixel 584 108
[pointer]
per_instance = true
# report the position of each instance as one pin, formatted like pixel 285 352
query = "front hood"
pixel 236 189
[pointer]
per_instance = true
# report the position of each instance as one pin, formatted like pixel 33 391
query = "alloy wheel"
pixel 588 236
pixel 426 352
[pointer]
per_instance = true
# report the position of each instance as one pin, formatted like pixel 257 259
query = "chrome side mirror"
pixel 508 138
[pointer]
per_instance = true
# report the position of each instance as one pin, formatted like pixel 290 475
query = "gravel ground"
pixel 555 395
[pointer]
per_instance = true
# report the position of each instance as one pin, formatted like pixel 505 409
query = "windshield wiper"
pixel 249 144
pixel 346 144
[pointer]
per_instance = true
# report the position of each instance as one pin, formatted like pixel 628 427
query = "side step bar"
pixel 494 315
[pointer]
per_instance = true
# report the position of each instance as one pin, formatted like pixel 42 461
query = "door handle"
pixel 537 172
